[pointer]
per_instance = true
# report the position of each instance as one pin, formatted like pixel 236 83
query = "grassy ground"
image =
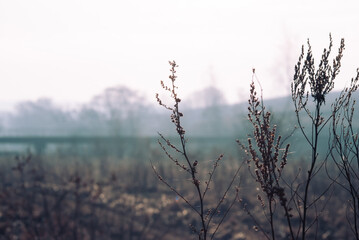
pixel 69 198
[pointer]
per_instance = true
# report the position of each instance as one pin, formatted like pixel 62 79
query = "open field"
pixel 283 178
pixel 73 198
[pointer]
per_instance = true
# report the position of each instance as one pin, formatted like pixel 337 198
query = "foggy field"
pixel 104 187
pixel 256 170
pixel 250 131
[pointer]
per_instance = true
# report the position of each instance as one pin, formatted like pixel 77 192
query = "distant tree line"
pixel 119 111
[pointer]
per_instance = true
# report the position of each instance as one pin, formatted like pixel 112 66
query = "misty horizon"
pixel 72 52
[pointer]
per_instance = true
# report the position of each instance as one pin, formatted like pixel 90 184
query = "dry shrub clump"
pixel 266 162
pixel 210 215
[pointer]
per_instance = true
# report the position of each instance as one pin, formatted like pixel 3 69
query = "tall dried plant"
pixel 208 227
pixel 314 84
pixel 266 162
pixel 344 145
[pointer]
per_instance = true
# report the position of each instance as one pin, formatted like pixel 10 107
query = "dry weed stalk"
pixel 345 150
pixel 266 162
pixel 318 83
pixel 205 213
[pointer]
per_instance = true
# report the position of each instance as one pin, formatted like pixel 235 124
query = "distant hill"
pixel 222 120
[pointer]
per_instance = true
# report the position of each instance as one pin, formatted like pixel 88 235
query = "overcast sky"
pixel 71 50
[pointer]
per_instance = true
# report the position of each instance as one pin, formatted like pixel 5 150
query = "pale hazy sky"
pixel 71 50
